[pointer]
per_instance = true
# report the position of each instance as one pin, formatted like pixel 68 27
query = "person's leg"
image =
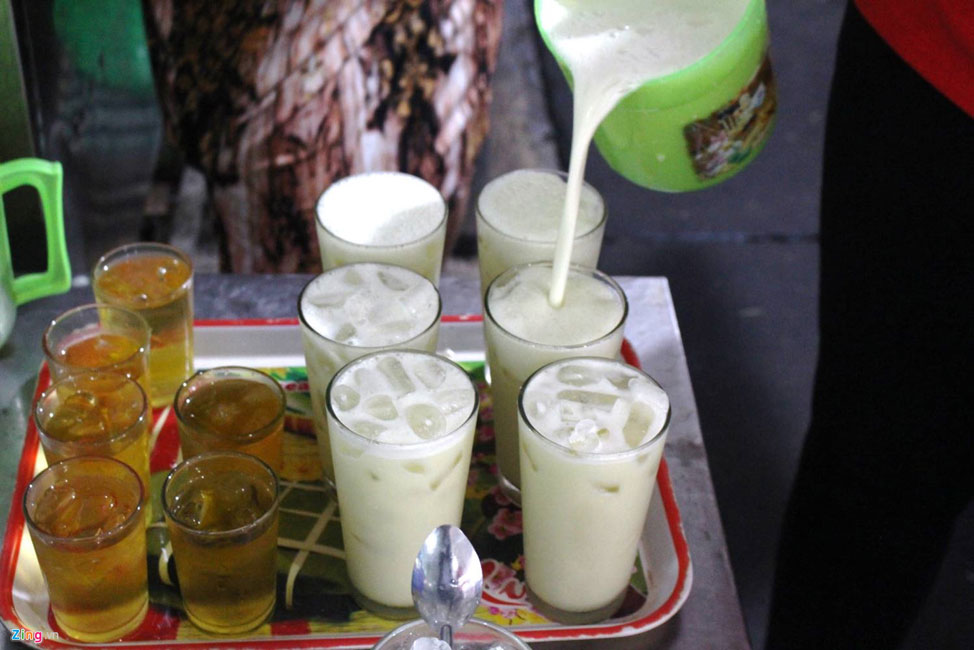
pixel 889 456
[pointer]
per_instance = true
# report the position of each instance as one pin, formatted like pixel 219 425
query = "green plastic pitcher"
pixel 45 177
pixel 699 125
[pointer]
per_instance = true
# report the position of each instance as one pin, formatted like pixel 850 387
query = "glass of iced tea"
pixel 95 414
pixel 155 281
pixel 232 407
pixel 222 513
pixel 98 337
pixel 85 517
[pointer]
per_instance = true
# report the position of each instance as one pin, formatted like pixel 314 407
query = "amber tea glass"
pixel 156 282
pixel 96 414
pixel 98 337
pixel 233 408
pixel 222 515
pixel 85 517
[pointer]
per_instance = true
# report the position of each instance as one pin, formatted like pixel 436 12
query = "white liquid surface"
pixel 381 209
pixel 528 204
pixel 520 306
pixel 595 407
pixel 370 305
pixel 402 398
pixel 611 48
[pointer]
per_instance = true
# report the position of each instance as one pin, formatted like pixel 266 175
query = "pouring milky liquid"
pixel 610 48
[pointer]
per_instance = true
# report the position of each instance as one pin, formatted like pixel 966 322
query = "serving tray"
pixel 314 608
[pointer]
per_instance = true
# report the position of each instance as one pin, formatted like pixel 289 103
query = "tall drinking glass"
pixel 85 517
pixel 98 338
pixel 156 282
pixel 524 332
pixel 96 414
pixel 232 407
pixel 518 215
pixel 402 425
pixel 592 435
pixel 353 310
pixel 222 515
pixel 388 217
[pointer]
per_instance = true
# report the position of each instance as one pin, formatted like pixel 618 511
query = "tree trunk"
pixel 275 99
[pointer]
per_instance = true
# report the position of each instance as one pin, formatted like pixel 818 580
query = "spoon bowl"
pixel 447 580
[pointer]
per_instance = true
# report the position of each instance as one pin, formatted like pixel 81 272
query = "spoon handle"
pixel 446 634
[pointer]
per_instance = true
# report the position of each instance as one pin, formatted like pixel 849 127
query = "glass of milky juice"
pixel 524 332
pixel 222 514
pixel 156 282
pixel 232 407
pixel 353 310
pixel 402 425
pixel 518 215
pixel 86 519
pixel 388 217
pixel 592 434
pixel 474 635
pixel 96 414
pixel 98 338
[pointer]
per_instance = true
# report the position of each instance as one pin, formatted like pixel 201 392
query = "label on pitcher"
pixel 727 138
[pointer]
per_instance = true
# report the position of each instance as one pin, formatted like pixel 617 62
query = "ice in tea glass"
pixel 96 414
pixel 592 432
pixel 85 517
pixel 524 332
pixel 232 407
pixel 387 217
pixel 473 635
pixel 98 337
pixel 155 281
pixel 356 309
pixel 518 215
pixel 222 514
pixel 402 425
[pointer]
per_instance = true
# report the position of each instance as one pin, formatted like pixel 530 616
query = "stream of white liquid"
pixel 611 48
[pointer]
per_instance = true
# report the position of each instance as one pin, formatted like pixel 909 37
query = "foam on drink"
pixel 369 305
pixel 519 304
pixel 528 204
pixel 381 208
pixel 612 48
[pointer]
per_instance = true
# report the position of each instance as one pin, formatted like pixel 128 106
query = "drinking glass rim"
pixel 555 172
pixel 503 633
pixel 429 235
pixel 232 532
pixel 89 442
pixel 99 538
pixel 252 435
pixel 371 348
pixel 143 345
pixel 605 277
pixel 400 446
pixel 592 455
pixel 135 248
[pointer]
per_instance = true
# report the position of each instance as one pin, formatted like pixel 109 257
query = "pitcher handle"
pixel 46 178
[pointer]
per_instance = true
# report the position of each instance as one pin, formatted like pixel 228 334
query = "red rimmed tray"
pixel 661 579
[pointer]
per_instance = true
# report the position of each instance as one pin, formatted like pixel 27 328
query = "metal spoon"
pixel 447 581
